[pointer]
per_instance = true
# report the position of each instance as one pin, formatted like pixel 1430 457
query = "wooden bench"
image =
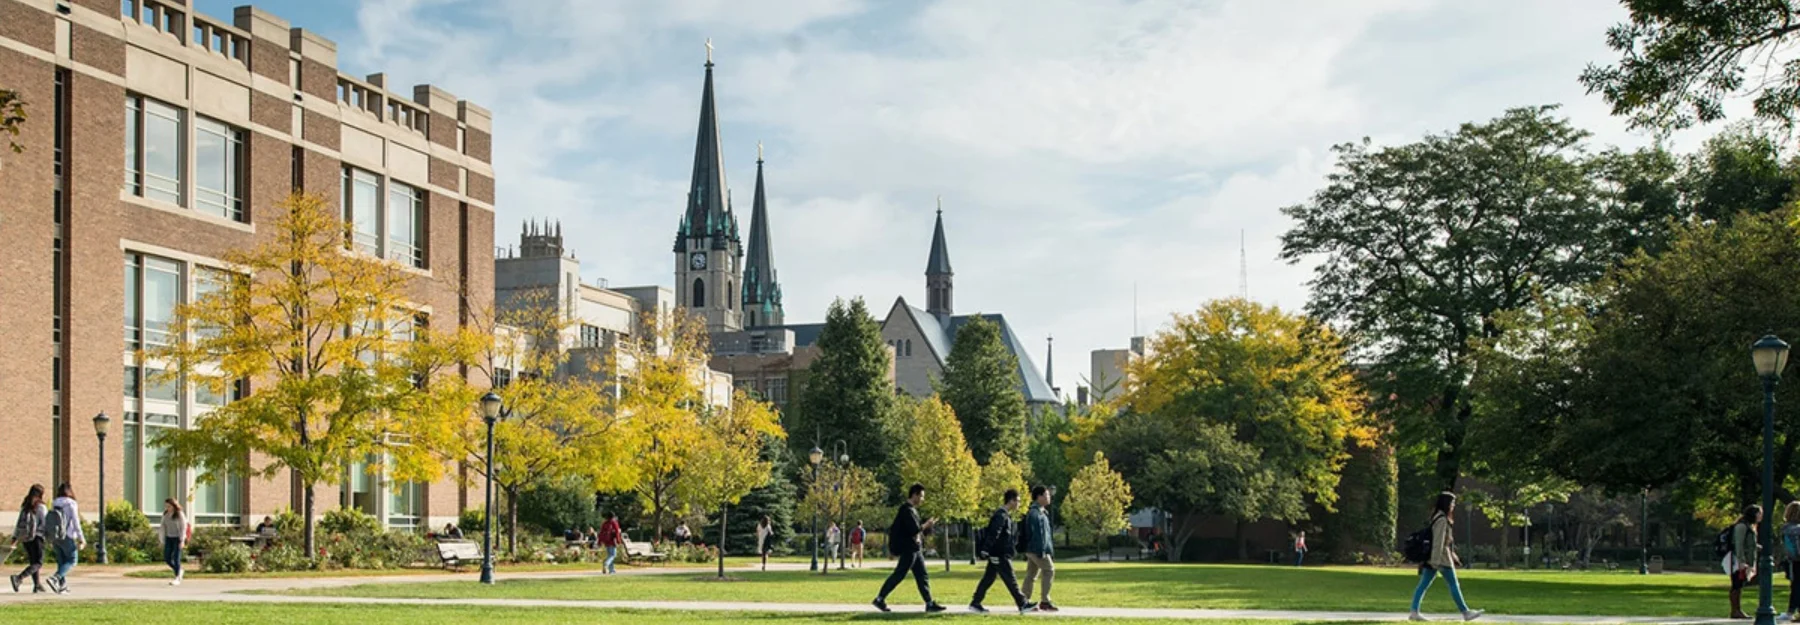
pixel 635 550
pixel 457 553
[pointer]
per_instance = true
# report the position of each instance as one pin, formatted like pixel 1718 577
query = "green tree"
pixel 981 384
pixel 843 493
pixel 1679 62
pixel 1740 170
pixel 1051 434
pixel 848 392
pixel 1421 244
pixel 1208 473
pixel 12 118
pixel 776 500
pixel 933 453
pixel 1095 505
pixel 341 369
pixel 726 462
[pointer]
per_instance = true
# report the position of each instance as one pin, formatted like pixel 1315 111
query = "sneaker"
pixel 934 608
pixel 1047 607
pixel 1026 608
pixel 175 582
pixel 1783 617
pixel 880 604
pixel 1417 617
pixel 976 608
pixel 15 582
pixel 1470 615
pixel 56 585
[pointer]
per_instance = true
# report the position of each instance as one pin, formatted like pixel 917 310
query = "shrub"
pixel 209 539
pixel 283 558
pixel 397 549
pixel 122 517
pixel 556 507
pixel 232 558
pixel 472 520
pixel 694 554
pixel 349 521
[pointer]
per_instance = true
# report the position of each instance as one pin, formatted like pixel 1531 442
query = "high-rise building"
pixel 158 139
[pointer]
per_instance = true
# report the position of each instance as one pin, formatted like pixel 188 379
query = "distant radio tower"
pixel 1243 269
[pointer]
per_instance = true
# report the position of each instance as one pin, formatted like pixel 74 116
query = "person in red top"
pixel 856 543
pixel 610 538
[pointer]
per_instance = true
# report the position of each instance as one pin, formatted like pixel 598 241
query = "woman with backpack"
pixel 62 526
pixel 29 532
pixel 174 535
pixel 1790 547
pixel 1442 559
pixel 1737 544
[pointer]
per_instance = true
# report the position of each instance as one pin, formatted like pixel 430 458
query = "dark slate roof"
pixel 708 207
pixel 760 286
pixel 939 262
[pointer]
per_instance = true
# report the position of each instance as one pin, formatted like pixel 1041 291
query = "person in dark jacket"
pixel 999 542
pixel 906 541
pixel 1040 551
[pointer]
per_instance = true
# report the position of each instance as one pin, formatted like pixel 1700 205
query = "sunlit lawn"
pixel 1146 585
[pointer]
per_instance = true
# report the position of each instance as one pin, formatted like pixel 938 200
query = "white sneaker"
pixel 1470 615
pixel 1416 617
pixel 1783 617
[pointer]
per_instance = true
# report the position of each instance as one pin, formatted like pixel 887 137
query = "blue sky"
pixel 1081 146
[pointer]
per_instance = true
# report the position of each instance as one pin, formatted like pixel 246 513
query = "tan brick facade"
pixel 289 140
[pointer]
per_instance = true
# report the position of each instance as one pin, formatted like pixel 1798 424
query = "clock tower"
pixel 708 253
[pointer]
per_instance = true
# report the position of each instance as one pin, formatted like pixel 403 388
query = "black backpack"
pixel 1723 545
pixel 1417 548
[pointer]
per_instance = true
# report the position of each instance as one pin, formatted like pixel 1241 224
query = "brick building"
pixel 157 139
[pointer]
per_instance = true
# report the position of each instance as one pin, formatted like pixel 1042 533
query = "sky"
pixel 1099 160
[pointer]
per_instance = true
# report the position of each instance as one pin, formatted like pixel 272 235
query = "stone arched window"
pixel 699 299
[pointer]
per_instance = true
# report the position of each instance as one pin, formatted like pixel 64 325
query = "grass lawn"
pixel 181 613
pixel 194 572
pixel 1150 585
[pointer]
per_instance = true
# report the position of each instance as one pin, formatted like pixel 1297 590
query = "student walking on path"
pixel 1300 549
pixel 175 536
pixel 1443 559
pixel 29 534
pixel 856 543
pixel 1039 552
pixel 610 536
pixel 906 541
pixel 62 525
pixel 1790 550
pixel 765 540
pixel 1740 561
pixel 999 541
pixel 833 536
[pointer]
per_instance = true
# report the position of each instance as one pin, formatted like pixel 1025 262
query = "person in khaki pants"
pixel 1038 550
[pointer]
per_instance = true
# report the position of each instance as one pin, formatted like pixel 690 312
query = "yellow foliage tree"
pixel 934 454
pixel 843 491
pixel 661 377
pixel 1095 505
pixel 725 463
pixel 340 369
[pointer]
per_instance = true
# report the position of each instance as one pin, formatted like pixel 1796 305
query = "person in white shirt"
pixel 175 535
pixel 765 541
pixel 832 537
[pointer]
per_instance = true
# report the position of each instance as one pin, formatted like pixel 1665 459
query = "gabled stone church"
pixel 740 297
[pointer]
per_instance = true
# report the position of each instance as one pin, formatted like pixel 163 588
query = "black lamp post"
pixel 491 412
pixel 843 452
pixel 101 422
pixel 815 456
pixel 1644 532
pixel 1770 355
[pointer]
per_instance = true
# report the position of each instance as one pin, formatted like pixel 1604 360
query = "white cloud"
pixel 1082 146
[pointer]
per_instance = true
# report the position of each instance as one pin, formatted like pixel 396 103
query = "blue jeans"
pixel 1449 573
pixel 172 554
pixel 66 550
pixel 1299 557
pixel 612 553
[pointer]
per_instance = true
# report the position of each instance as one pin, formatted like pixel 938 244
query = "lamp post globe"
pixel 491 412
pixel 101 424
pixel 1769 354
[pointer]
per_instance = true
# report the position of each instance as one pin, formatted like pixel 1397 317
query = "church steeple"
pixel 708 215
pixel 938 288
pixel 762 293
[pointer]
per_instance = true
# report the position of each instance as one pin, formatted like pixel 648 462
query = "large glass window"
pixel 154 150
pixel 406 504
pixel 219 502
pixel 219 168
pixel 362 208
pixel 394 229
pixel 160 292
pixel 405 219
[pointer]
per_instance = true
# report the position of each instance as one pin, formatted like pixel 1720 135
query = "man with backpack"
pixel 1736 548
pixel 998 542
pixel 906 541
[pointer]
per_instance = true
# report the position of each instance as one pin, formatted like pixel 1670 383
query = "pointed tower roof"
pixel 939 263
pixel 760 286
pixel 708 209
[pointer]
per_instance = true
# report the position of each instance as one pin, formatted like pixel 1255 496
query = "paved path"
pixel 112 584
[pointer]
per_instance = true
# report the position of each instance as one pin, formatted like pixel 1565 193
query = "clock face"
pixel 698 260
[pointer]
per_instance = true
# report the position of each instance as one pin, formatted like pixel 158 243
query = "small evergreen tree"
pixel 848 394
pixel 774 500
pixel 981 384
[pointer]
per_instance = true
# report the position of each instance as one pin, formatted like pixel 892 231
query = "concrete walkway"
pixel 112 584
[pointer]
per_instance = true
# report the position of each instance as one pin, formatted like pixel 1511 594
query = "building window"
pixel 590 336
pixel 219 501
pixel 776 391
pixel 153 150
pixel 219 169
pixel 152 290
pixel 406 217
pixel 362 208
pixel 148 479
pixel 396 233
pixel 502 377
pixel 699 293
pixel 909 348
pixel 406 504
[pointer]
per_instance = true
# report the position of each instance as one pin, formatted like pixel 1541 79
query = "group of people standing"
pixel 56 527
pixel 1740 546
pixel 999 542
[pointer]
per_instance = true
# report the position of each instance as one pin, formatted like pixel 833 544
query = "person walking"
pixel 1300 549
pixel 29 533
pixel 610 537
pixel 1040 563
pixel 833 536
pixel 999 541
pixel 1443 558
pixel 765 540
pixel 175 536
pixel 1790 549
pixel 1740 563
pixel 856 543
pixel 906 541
pixel 62 525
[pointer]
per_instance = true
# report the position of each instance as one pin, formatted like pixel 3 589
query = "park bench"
pixel 456 553
pixel 635 550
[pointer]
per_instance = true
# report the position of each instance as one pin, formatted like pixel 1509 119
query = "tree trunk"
pixel 1449 457
pixel 307 502
pixel 1505 531
pixel 1243 543
pixel 512 522
pixel 946 536
pixel 724 521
